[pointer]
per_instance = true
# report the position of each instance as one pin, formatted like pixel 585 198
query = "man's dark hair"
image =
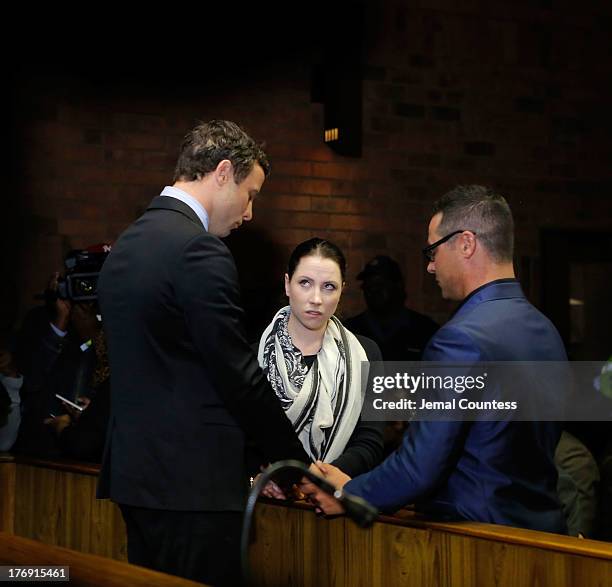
pixel 481 210
pixel 317 247
pixel 209 143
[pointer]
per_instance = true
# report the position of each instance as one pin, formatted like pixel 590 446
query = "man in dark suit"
pixel 490 471
pixel 186 386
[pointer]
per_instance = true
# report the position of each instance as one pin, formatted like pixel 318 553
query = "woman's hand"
pixel 271 490
pixel 333 475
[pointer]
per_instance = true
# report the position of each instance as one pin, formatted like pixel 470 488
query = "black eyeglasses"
pixel 429 250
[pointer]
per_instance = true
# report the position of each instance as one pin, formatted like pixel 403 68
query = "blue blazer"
pixel 497 472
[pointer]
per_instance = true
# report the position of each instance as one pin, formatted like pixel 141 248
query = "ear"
pixel 287 284
pixel 224 172
pixel 468 244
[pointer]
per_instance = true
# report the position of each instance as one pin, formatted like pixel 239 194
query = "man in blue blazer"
pixel 498 472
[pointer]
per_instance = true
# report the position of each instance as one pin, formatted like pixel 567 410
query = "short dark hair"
pixel 209 143
pixel 316 247
pixel 483 211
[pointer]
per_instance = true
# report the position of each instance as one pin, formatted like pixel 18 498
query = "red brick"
pixel 341 205
pixel 277 150
pixel 138 122
pixel 293 168
pixel 86 229
pixel 83 153
pixel 319 152
pixel 292 236
pixel 82 115
pixel 341 238
pixel 124 158
pixel 349 222
pixel 146 177
pixel 85 210
pixel 159 160
pixel 358 189
pixel 308 220
pixel 318 187
pixel 338 171
pixel 135 140
pixel 283 201
pixel 52 133
pixel 90 173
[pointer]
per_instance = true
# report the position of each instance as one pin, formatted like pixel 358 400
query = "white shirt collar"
pixel 184 197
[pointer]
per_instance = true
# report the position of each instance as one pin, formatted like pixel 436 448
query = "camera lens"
pixel 85 287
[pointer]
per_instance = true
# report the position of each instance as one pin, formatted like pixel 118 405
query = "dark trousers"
pixel 201 546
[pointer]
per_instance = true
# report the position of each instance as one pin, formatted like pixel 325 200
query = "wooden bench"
pixel 54 502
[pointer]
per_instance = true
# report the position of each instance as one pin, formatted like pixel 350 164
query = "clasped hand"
pixel 323 502
pixel 58 423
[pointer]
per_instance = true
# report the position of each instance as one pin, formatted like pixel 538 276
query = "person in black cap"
pixel 401 333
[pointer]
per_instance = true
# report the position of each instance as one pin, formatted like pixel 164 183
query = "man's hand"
pixel 58 423
pixel 307 487
pixel 73 412
pixel 61 307
pixel 323 502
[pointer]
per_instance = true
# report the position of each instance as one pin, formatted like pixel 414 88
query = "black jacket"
pixel 185 385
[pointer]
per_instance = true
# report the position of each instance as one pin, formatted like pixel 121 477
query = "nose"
pixel 431 267
pixel 248 213
pixel 315 298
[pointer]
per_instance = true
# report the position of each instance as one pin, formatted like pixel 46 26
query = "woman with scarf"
pixel 314 364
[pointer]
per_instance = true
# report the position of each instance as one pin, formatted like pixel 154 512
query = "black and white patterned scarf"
pixel 324 401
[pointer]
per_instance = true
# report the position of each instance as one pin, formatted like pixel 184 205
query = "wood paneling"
pixel 7 493
pixel 294 547
pixel 59 507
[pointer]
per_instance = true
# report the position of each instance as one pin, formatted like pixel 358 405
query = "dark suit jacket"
pixel 500 472
pixel 185 385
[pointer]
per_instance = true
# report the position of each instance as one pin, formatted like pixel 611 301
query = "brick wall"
pixel 515 95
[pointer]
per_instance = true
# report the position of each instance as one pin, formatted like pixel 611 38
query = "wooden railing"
pixel 83 569
pixel 294 547
pixel 55 504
